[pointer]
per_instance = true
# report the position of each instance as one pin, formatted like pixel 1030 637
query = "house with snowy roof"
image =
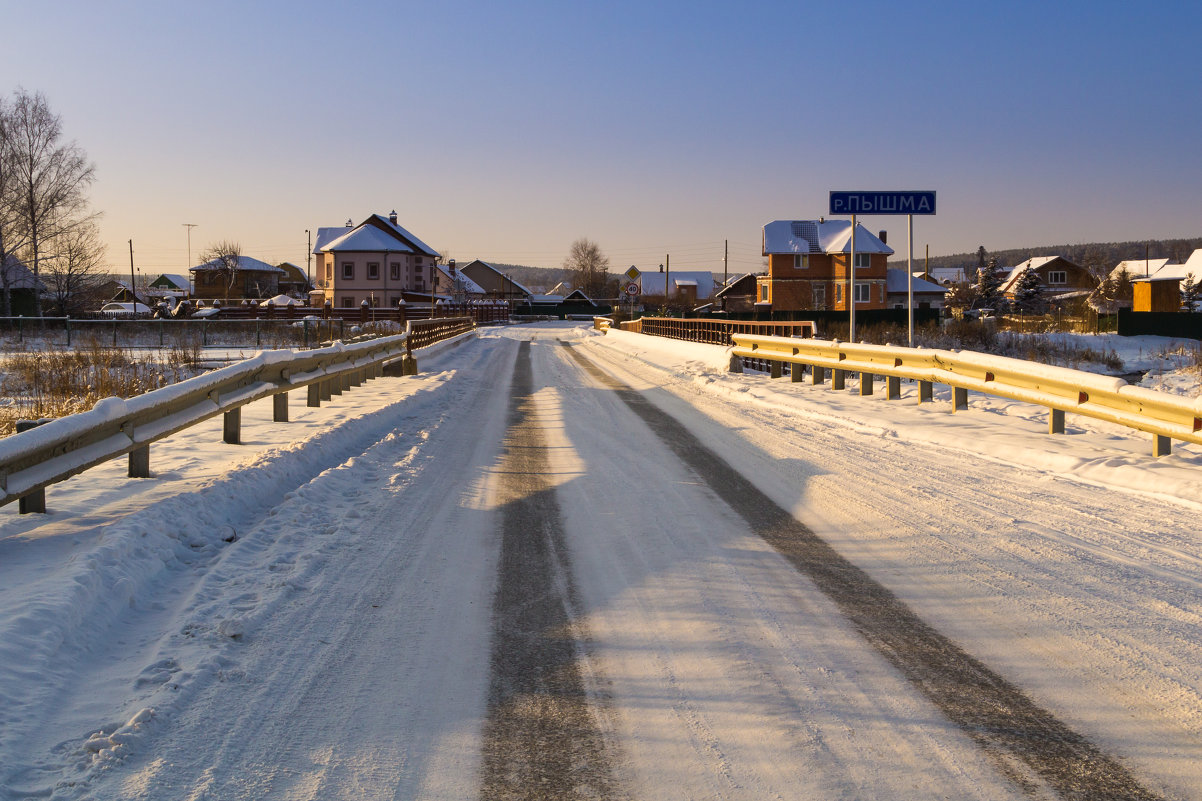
pixel 18 285
pixel 376 260
pixel 808 265
pixel 495 283
pixel 927 294
pixel 252 279
pixel 1062 279
pixel 678 286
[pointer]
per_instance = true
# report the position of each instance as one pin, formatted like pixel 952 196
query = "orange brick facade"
pixel 821 283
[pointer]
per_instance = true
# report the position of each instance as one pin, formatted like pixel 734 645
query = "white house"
pixel 376 261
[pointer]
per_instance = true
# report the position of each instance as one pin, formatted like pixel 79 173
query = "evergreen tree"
pixel 989 285
pixel 1028 293
pixel 1191 291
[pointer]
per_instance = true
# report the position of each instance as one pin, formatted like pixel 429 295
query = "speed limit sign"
pixel 632 288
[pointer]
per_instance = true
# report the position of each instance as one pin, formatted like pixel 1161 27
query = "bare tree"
pixel 73 273
pixel 224 259
pixel 50 177
pixel 589 266
pixel 11 240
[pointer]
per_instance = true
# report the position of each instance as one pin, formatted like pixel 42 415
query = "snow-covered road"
pixel 557 564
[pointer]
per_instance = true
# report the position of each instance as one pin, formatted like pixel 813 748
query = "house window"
pixel 819 296
pixel 348 301
pixel 394 271
pixel 863 292
pixel 765 293
pixel 1057 277
pixel 863 261
pixel 348 270
pixel 801 261
pixel 394 300
pixel 418 261
pixel 373 271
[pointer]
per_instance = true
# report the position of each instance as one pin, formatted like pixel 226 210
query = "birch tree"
pixel 50 177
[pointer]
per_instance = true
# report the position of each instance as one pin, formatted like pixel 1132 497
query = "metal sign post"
pixel 907 203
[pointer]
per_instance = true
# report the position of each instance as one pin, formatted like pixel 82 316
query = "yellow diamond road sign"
pixel 633 272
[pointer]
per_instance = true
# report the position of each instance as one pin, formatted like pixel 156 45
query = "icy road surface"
pixel 561 565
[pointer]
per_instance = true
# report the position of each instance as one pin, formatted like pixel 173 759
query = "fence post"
pixel 68 332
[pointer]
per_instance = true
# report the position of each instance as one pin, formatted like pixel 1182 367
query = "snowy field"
pixel 313 614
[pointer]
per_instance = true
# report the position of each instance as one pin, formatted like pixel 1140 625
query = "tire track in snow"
pixel 1027 743
pixel 541 740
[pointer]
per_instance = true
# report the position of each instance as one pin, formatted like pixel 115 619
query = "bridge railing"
pixel 1166 417
pixel 58 449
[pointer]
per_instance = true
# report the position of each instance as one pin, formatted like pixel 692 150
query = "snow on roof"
pixel 176 280
pixel 244 263
pixel 1033 263
pixel 368 238
pixel 653 283
pixel 19 276
pixel 1138 268
pixel 819 236
pixel 420 245
pixel 895 281
pixel 524 290
pixel 327 235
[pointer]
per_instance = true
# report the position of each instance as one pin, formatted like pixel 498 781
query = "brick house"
pixel 808 266
pixel 376 261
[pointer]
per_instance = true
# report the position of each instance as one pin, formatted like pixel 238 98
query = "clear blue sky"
pixel 504 131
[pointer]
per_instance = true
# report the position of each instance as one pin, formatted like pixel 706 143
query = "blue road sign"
pixel 882 203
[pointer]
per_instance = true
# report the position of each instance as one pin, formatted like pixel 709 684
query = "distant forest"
pixel 1099 257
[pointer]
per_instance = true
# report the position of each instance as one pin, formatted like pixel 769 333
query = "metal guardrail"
pixel 715 332
pixel 1061 389
pixel 34 459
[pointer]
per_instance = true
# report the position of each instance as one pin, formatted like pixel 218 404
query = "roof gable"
pixel 245 263
pixel 819 236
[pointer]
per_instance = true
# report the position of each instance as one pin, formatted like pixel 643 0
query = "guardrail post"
pixel 775 368
pixel 926 391
pixel 866 380
pixel 892 387
pixel 327 388
pixel 314 395
pixel 34 502
pixel 817 374
pixel 837 378
pixel 279 407
pixel 346 380
pixel 959 398
pixel 231 432
pixel 1055 421
pixel 335 383
pixel 1161 445
pixel 139 462
pixel 796 372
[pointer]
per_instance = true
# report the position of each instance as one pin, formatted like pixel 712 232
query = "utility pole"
pixel 188 269
pixel 309 259
pixel 132 285
pixel 725 255
pixel 667 278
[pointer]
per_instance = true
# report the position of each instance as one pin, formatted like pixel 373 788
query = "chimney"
pixel 883 236
pixel 349 224
pixel 392 217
